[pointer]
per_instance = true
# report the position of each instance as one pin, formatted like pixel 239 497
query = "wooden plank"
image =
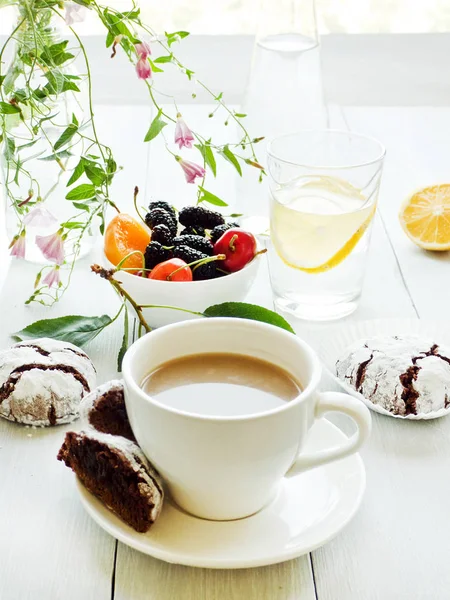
pixel 49 547
pixel 143 578
pixel 416 140
pixel 397 546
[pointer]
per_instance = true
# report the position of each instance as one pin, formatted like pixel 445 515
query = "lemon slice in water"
pixel 317 222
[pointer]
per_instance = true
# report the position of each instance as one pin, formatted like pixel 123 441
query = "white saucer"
pixel 309 511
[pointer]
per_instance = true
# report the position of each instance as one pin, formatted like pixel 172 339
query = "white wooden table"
pixel 397 547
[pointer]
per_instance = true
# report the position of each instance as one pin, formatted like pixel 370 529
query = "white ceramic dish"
pixel 190 295
pixel 333 343
pixel 310 510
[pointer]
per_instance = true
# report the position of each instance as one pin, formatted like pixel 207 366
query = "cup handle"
pixel 343 403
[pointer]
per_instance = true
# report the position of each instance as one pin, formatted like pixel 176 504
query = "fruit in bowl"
pixel 192 259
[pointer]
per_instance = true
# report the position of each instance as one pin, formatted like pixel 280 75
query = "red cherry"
pixel 239 247
pixel 173 269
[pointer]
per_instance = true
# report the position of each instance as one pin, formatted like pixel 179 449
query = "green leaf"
pixel 74 328
pixel 81 206
pixel 66 136
pixel 242 310
pixel 211 198
pixel 48 118
pixel 117 26
pixel 155 69
pixel 124 346
pixel 175 37
pixel 208 156
pixel 56 54
pixel 156 127
pixel 16 175
pixel 109 39
pixel 55 81
pixel 132 14
pixel 8 109
pixel 230 157
pixel 111 168
pixel 20 96
pixel 57 156
pixel 2 79
pixel 28 144
pixel 235 215
pixel 10 148
pixel 240 115
pixel 164 59
pixel 73 225
pixel 81 192
pixel 77 172
pixel 75 120
pixel 95 174
pixel 58 83
pixel 83 2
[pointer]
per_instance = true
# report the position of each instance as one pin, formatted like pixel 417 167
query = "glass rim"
pixel 361 136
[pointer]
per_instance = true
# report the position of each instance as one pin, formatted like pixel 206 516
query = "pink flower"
pixel 52 246
pixel 183 135
pixel 39 216
pixel 52 277
pixel 18 245
pixel 143 50
pixel 74 13
pixel 143 68
pixel 191 170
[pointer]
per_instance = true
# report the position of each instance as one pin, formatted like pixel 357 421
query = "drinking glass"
pixel 323 196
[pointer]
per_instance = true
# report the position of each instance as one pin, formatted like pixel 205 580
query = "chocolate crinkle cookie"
pixel 104 409
pixel 117 472
pixel 405 375
pixel 42 382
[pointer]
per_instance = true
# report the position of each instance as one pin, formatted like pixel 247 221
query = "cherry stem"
pixel 197 263
pixel 135 195
pixel 119 266
pixel 231 245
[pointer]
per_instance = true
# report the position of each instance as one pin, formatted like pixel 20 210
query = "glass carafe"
pixel 284 92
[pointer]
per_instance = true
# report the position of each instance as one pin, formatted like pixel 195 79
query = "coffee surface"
pixel 221 384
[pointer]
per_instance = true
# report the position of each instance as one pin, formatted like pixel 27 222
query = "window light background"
pixel 241 16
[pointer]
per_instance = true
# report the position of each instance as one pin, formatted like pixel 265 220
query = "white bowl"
pixel 189 295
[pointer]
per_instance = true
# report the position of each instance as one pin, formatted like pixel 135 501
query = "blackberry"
pixel 205 271
pixel 193 230
pixel 161 233
pixel 218 231
pixel 189 255
pixel 154 254
pixel 194 241
pixel 198 215
pixel 159 216
pixel 164 205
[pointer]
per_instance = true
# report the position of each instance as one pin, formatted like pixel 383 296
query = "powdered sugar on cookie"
pixel 42 382
pixel 405 375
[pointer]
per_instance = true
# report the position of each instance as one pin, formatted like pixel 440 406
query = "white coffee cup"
pixel 224 468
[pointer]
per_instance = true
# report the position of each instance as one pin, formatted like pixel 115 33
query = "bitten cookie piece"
pixel 43 381
pixel 104 410
pixel 117 472
pixel 405 375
